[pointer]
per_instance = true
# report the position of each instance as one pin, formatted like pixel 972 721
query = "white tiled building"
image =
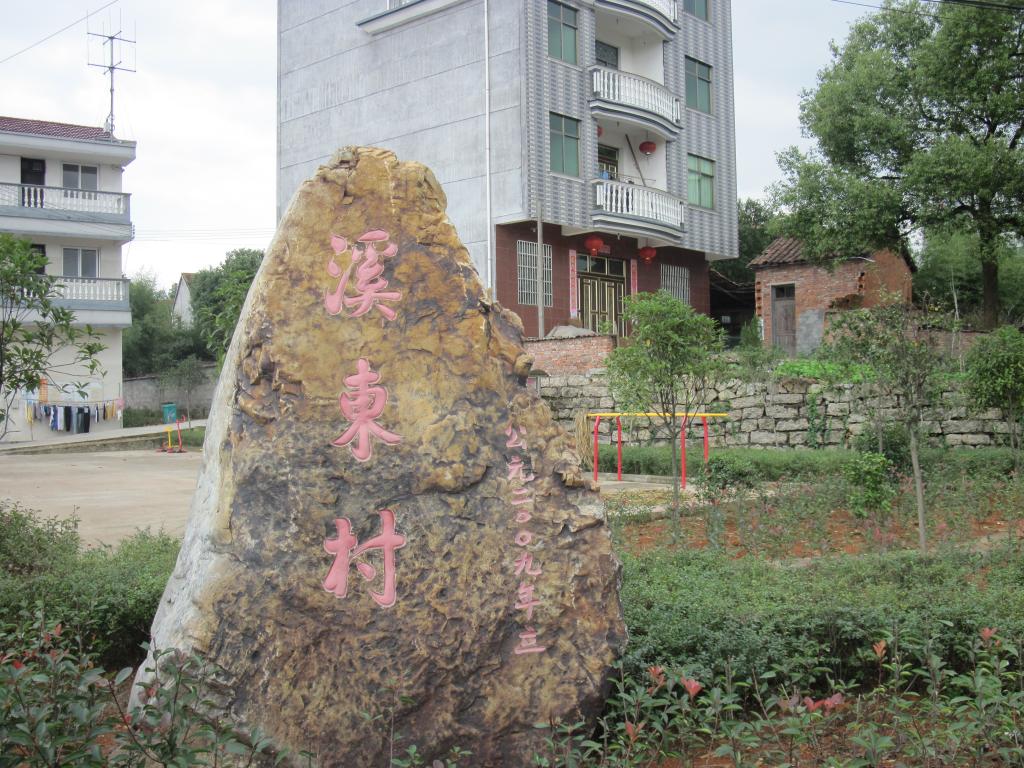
pixel 60 188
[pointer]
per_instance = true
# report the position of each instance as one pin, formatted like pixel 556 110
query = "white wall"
pixel 641 55
pixel 653 166
pixel 109 255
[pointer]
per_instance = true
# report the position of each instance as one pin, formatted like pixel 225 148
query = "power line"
pixel 985 5
pixel 54 34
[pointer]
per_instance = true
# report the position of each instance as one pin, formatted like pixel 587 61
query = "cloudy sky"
pixel 202 105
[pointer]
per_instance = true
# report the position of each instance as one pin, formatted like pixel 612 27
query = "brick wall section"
pixel 560 357
pixel 817 287
pixel 648 276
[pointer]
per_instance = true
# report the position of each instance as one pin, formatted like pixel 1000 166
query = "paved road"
pixel 112 493
pixel 117 492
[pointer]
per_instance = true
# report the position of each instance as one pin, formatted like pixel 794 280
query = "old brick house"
pixel 792 297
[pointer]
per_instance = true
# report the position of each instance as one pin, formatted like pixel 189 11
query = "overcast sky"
pixel 202 105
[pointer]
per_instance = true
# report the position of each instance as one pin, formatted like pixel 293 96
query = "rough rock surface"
pixel 431 619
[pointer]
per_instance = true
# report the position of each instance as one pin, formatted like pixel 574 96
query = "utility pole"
pixel 111 66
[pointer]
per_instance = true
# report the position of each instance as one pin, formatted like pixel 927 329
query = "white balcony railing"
pixel 622 199
pixel 666 8
pixel 64 199
pixel 636 91
pixel 76 289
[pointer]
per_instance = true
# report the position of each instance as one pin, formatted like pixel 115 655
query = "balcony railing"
pixel 619 199
pixel 641 96
pixel 97 291
pixel 667 8
pixel 114 204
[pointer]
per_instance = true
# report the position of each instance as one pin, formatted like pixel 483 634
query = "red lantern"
pixel 593 244
pixel 648 147
pixel 600 131
pixel 647 253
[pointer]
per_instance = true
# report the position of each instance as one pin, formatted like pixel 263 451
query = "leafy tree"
pixel 668 364
pixel 918 121
pixel 893 342
pixel 34 330
pixel 949 275
pixel 755 219
pixel 995 370
pixel 218 295
pixel 156 340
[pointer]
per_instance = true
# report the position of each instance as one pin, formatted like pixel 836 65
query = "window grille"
pixel 676 280
pixel 526 268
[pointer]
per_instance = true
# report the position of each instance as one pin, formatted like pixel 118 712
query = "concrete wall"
pixel 150 392
pixel 782 414
pixel 417 90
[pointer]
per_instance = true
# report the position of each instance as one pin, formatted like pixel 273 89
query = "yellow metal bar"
pixel 706 415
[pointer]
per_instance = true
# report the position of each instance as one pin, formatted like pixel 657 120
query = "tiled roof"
pixel 47 128
pixel 782 250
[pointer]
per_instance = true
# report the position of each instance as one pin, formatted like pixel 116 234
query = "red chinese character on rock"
pixel 516 471
pixel 524 564
pixel 361 407
pixel 346 548
pixel 525 601
pixel 370 287
pixel 515 437
pixel 528 642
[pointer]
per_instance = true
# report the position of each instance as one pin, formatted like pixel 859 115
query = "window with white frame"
pixel 526 268
pixel 81 262
pixel 676 280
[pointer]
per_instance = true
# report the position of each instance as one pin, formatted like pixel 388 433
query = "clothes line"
pixel 76 417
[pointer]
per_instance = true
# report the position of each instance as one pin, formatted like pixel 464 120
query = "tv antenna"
pixel 111 65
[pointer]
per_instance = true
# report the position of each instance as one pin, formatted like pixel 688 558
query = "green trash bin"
pixel 170 412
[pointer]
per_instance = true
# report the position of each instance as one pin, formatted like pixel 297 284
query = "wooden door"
pixel 784 318
pixel 601 304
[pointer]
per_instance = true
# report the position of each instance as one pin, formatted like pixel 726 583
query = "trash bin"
pixel 170 412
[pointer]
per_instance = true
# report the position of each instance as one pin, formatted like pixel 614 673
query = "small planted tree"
pixel 38 338
pixel 894 342
pixel 667 365
pixel 995 378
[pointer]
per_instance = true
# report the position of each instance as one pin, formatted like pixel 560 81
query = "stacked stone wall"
pixel 782 414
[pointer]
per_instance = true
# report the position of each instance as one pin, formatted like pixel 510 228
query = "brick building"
pixel 793 297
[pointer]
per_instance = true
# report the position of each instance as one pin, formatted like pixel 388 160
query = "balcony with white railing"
pixel 639 100
pixel 636 210
pixel 662 15
pixel 64 203
pixel 77 293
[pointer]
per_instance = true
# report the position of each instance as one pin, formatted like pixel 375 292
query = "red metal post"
pixel 597 421
pixel 682 451
pixel 706 443
pixel 618 425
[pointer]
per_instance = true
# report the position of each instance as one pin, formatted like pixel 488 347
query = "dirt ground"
pixel 112 493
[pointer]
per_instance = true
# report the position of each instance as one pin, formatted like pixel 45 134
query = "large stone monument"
pixel 387 519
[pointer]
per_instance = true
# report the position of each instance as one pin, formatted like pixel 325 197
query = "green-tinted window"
pixel 606 55
pixel 565 145
pixel 698 85
pixel 698 8
pixel 561 32
pixel 701 189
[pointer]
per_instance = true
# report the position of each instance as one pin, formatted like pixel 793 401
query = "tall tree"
pixel 156 341
pixel 918 121
pixel 218 295
pixel 39 340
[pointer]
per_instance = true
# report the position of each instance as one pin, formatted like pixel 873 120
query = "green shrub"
pixel 821 370
pixel 109 594
pixel 30 545
pixel 895 445
pixel 714 614
pixel 871 476
pixel 752 463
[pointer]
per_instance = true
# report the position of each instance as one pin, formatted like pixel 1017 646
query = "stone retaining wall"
pixel 787 414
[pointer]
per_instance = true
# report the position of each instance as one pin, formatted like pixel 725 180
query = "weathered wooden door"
pixel 784 318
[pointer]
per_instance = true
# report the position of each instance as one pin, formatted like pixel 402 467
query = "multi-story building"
pixel 610 121
pixel 60 188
